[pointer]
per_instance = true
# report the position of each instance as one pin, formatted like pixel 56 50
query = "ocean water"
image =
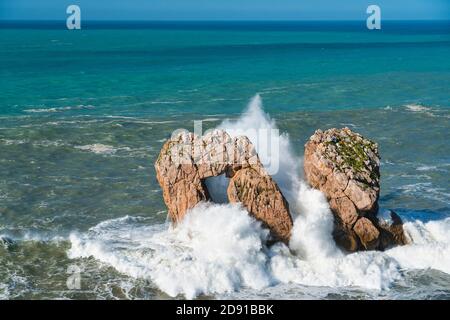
pixel 83 115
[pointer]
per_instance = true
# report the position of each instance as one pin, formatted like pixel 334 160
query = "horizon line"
pixel 220 20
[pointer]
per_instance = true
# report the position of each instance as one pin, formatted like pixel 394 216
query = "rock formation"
pixel 186 160
pixel 262 197
pixel 346 168
pixel 341 163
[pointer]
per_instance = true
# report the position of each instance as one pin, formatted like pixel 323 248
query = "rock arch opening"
pixel 217 188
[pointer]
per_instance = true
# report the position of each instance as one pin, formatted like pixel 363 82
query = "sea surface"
pixel 83 116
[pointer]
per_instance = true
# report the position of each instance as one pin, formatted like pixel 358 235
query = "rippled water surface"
pixel 83 117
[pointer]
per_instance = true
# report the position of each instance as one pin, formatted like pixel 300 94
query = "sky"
pixel 225 9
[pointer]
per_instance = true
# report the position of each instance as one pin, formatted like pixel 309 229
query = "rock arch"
pixel 186 160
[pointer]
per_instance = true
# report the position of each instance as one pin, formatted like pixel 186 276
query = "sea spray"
pixel 215 249
pixel 312 233
pixel 273 148
pixel 430 246
pixel 219 248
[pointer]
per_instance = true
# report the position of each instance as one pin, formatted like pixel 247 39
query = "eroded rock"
pixel 263 199
pixel 186 160
pixel 346 168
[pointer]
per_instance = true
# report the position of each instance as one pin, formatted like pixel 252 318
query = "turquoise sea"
pixel 83 115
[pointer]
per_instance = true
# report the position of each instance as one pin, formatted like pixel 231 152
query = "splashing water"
pixel 273 148
pixel 219 249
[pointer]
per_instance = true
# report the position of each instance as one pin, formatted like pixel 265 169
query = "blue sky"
pixel 224 9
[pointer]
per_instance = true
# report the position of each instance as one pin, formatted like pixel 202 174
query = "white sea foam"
pixel 59 109
pixel 417 108
pixel 10 142
pixel 426 190
pixel 41 143
pixel 424 110
pixel 99 148
pixel 428 168
pixel 219 249
pixel 430 247
pixel 4 291
pixel 12 283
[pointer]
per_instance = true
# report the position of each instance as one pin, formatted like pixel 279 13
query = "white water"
pixel 417 108
pixel 219 249
pixel 60 109
pixel 97 148
pixel 272 146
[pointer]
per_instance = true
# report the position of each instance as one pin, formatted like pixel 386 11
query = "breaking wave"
pixel 220 249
